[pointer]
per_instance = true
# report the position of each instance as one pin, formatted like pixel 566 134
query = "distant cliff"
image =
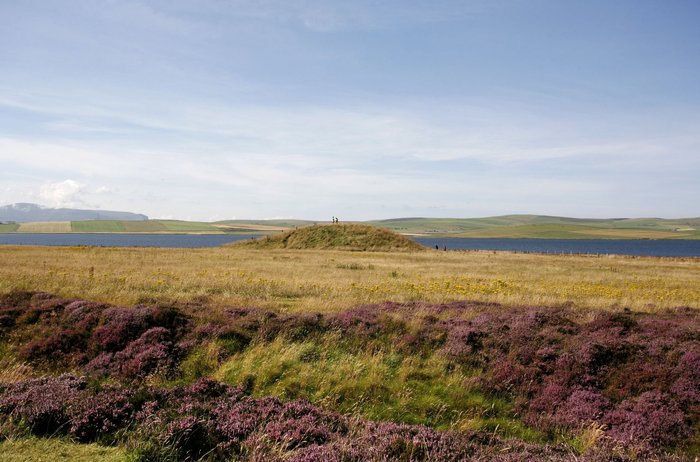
pixel 26 212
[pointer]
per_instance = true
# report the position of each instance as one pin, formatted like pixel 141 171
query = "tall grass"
pixel 377 384
pixel 55 450
pixel 328 281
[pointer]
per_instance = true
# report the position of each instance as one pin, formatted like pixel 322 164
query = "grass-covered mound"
pixel 338 237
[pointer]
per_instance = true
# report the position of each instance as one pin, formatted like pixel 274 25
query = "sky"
pixel 221 109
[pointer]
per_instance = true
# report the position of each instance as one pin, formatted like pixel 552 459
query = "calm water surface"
pixel 640 247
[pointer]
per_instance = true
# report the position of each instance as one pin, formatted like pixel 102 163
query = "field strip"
pixel 45 227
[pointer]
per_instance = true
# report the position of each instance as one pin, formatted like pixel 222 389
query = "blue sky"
pixel 216 109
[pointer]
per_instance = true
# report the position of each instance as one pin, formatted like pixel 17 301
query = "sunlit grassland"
pixel 327 281
pixel 378 377
pixel 8 228
pixel 373 381
pixel 54 449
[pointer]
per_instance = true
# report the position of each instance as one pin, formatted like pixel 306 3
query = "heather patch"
pixel 213 421
pixel 126 343
pixel 607 383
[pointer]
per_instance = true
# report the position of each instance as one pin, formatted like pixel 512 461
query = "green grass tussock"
pixel 338 237
pixel 376 382
pixel 55 449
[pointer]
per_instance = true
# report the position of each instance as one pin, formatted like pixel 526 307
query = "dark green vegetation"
pixel 8 228
pixel 487 382
pixel 508 226
pixel 337 237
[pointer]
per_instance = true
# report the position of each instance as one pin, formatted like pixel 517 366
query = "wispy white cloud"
pixel 288 107
pixel 344 137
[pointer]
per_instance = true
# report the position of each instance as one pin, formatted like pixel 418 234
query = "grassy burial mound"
pixel 338 237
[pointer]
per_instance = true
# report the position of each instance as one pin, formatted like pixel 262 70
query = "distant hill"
pixel 543 226
pixel 26 212
pixel 337 237
pixel 506 226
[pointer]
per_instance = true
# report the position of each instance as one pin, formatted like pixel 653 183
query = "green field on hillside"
pixel 150 226
pixel 563 231
pixel 507 226
pixel 278 223
pixel 98 226
pixel 522 226
pixel 188 226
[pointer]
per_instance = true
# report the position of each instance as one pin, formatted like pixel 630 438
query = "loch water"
pixel 636 247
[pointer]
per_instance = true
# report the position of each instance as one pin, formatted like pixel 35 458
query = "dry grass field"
pixel 45 227
pixel 328 281
pixel 54 450
pixel 416 364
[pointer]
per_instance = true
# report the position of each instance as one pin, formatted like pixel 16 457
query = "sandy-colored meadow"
pixel 327 281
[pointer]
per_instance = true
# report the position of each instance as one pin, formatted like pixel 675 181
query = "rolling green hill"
pixel 506 226
pixel 540 226
pixel 566 231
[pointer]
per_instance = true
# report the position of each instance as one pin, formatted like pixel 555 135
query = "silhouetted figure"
pixel 445 249
pixel 436 247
